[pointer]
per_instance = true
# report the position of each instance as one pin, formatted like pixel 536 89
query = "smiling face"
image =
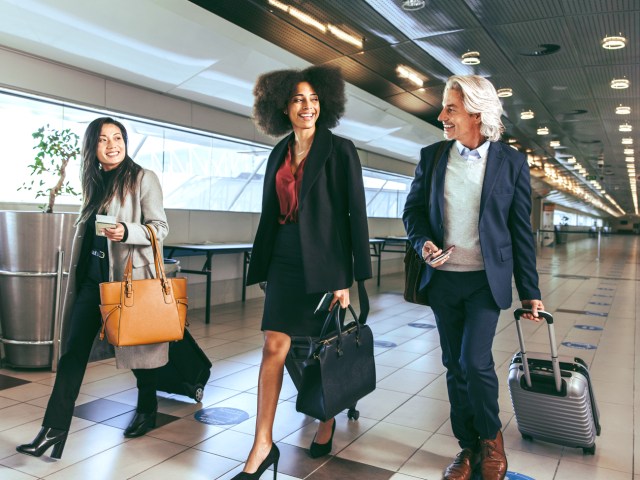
pixel 303 107
pixel 111 148
pixel 459 124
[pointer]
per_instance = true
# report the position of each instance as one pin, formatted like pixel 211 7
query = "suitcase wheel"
pixel 198 393
pixel 353 414
pixel 589 450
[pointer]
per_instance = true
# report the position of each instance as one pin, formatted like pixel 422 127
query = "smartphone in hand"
pixel 445 253
pixel 325 303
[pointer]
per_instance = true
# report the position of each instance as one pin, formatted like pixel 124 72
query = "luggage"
pixel 187 371
pixel 553 398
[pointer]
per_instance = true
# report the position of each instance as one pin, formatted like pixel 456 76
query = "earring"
pixel 99 166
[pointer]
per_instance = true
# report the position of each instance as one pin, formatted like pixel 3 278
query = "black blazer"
pixel 504 222
pixel 332 216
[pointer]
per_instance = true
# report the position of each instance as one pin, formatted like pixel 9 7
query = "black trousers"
pixel 84 326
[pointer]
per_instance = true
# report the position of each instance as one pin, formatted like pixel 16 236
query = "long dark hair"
pixel 97 192
pixel 273 91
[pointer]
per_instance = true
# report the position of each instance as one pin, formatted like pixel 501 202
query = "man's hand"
pixel 534 306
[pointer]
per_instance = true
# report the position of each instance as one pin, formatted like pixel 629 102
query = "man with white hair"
pixel 473 193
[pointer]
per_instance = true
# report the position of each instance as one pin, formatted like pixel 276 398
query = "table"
pixel 209 250
pixel 376 245
pixel 388 244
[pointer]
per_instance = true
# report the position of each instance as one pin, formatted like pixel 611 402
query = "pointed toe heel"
pixel 271 459
pixel 317 450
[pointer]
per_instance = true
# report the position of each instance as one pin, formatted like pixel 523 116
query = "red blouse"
pixel 288 188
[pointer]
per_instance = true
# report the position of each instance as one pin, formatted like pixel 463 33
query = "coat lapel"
pixel 495 159
pixel 437 182
pixel 316 159
pixel 278 153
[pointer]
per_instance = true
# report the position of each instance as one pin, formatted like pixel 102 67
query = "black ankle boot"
pixel 317 450
pixel 48 437
pixel 272 459
pixel 140 424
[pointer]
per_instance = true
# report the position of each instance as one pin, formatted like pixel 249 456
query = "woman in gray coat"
pixel 112 184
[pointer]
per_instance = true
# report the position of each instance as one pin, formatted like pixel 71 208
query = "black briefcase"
pixel 339 369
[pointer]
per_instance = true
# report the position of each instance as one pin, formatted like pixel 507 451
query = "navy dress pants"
pixel 466 316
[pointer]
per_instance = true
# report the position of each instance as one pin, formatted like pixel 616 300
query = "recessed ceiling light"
pixel 504 92
pixel 411 5
pixel 628 151
pixel 619 83
pixel 471 58
pixel 542 131
pixel 625 127
pixel 627 141
pixel 554 143
pixel 526 115
pixel 623 110
pixel 613 42
pixel 511 140
pixel 629 159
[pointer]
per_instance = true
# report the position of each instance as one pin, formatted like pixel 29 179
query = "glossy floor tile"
pixel 403 430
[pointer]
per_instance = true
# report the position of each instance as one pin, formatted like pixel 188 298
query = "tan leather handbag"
pixel 141 312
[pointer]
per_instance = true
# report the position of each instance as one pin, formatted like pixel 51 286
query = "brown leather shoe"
pixel 493 459
pixel 462 466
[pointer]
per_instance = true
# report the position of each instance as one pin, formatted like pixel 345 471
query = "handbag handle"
pixel 159 266
pixel 334 315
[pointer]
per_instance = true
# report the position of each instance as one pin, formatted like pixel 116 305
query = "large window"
pixel 198 170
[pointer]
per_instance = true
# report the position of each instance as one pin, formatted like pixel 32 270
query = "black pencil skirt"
pixel 288 308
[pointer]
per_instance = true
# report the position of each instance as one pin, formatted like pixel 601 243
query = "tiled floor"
pixel 403 432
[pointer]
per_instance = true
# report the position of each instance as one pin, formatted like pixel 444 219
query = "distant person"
pixel 312 237
pixel 112 184
pixel 475 195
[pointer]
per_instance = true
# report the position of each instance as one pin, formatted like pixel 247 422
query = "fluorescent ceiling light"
pixel 409 74
pixel 526 115
pixel 542 131
pixel 627 141
pixel 628 151
pixel 344 36
pixel 625 127
pixel 504 92
pixel 554 143
pixel 629 159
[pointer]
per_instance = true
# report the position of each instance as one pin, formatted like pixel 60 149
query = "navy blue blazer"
pixel 504 223
pixel 332 215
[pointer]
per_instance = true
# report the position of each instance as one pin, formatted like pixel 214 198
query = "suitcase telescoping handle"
pixel 552 340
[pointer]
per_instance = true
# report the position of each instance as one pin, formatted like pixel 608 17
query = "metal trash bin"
pixel 171 267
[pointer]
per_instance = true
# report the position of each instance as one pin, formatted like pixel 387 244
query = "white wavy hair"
pixel 479 96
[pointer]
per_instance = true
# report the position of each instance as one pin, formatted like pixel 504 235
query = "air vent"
pixel 540 50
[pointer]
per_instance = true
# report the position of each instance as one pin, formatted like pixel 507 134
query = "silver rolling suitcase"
pixel 553 398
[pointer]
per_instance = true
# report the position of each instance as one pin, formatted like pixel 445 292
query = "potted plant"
pixel 35 250
pixel 54 150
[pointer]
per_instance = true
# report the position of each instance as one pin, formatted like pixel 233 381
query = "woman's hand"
pixel 341 296
pixel 115 234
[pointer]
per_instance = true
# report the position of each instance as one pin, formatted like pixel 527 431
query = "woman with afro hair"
pixel 312 237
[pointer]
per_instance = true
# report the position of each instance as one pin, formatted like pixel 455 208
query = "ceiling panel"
pixel 497 12
pixel 437 18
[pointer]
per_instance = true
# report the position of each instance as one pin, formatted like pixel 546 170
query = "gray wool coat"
pixel 144 206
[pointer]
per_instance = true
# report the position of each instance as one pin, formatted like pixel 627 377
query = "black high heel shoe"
pixel 140 424
pixel 272 459
pixel 48 437
pixel 317 450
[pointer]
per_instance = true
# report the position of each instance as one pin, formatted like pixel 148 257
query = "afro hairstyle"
pixel 273 91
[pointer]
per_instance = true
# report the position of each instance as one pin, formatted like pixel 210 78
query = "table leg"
pixel 247 258
pixel 379 262
pixel 207 268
